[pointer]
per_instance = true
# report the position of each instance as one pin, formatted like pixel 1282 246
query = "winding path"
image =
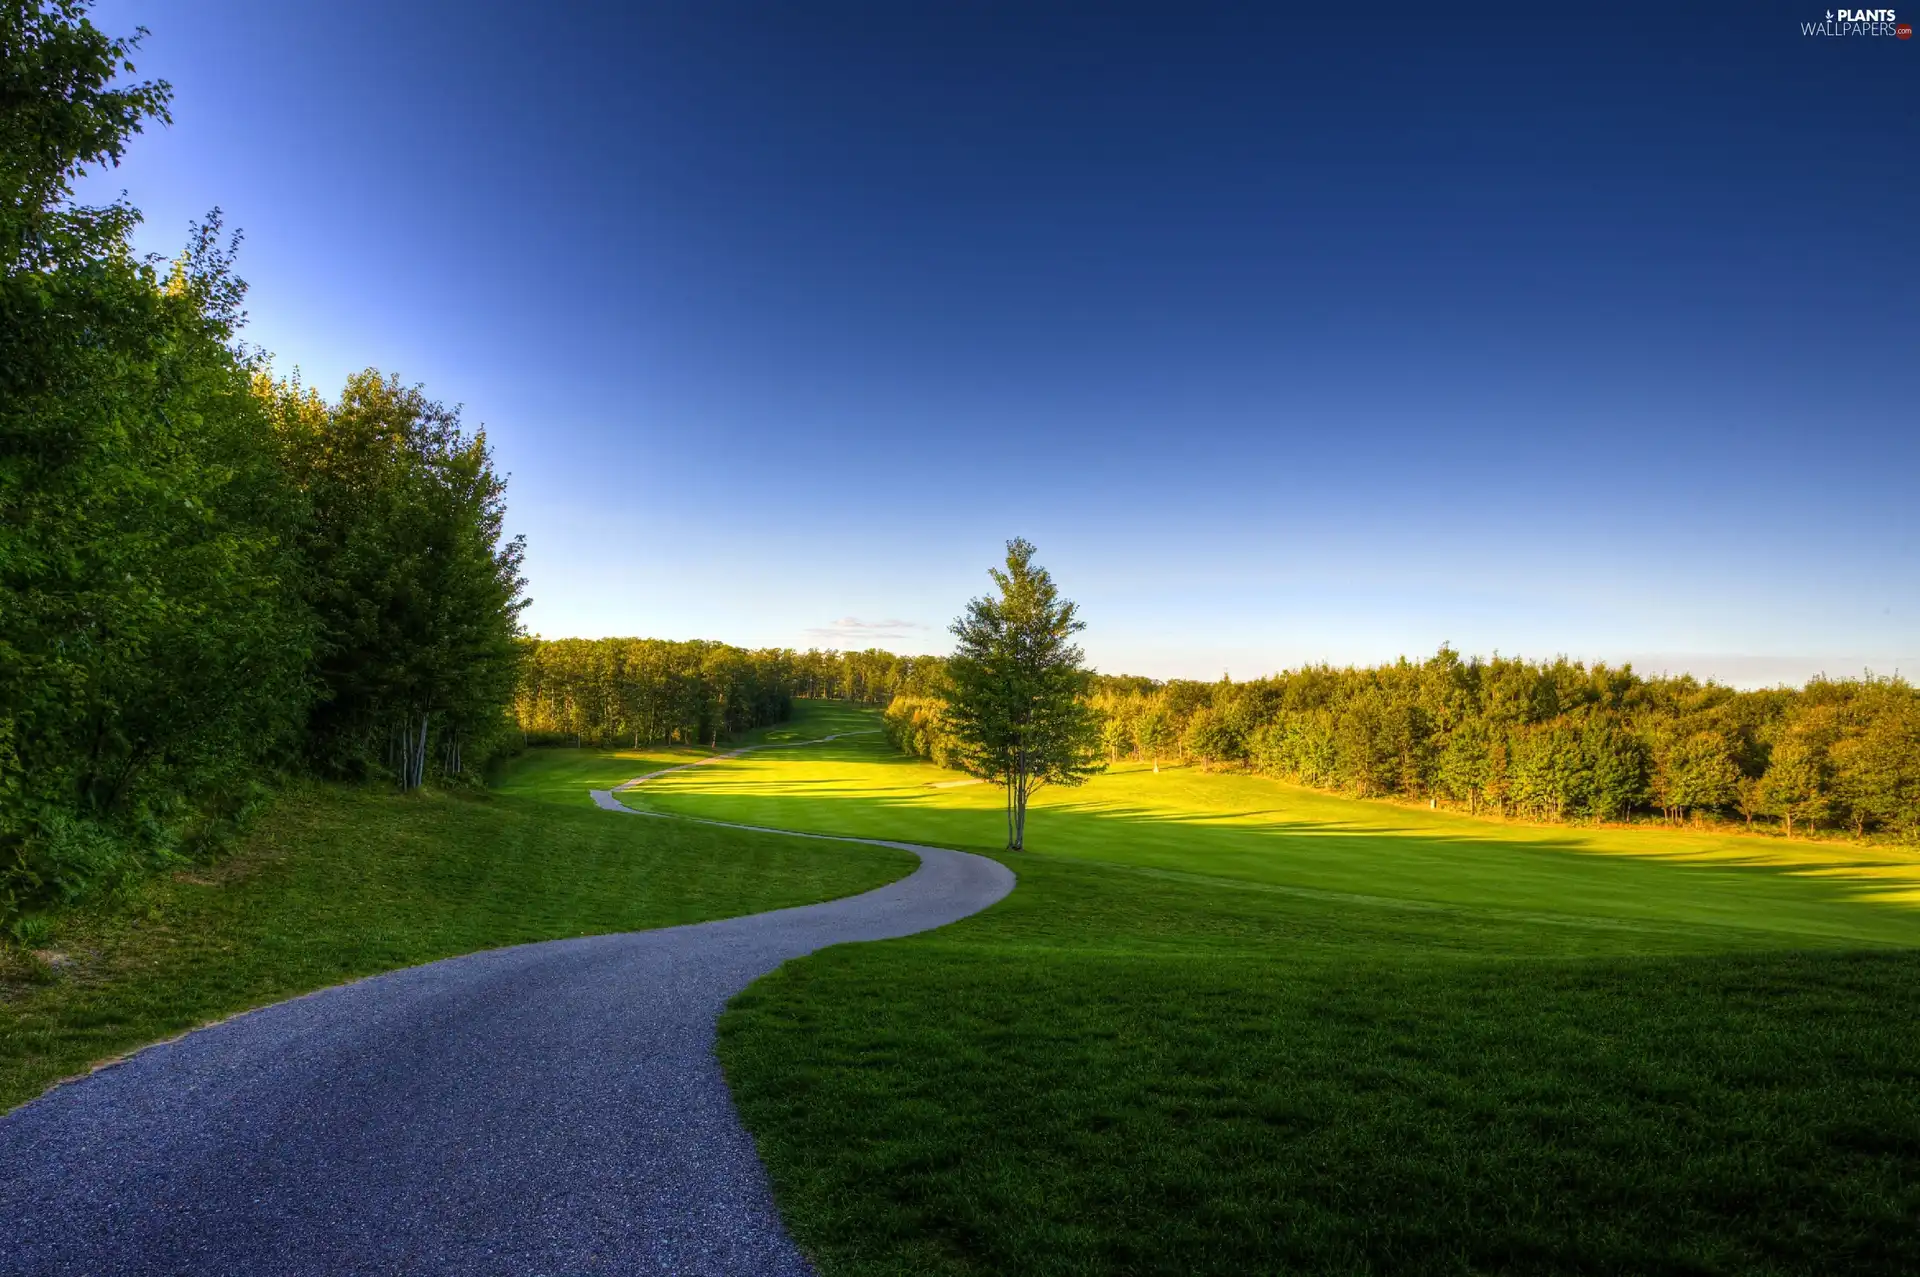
pixel 552 1108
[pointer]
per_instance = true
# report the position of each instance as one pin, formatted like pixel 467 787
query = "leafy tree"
pixel 1466 763
pixel 416 591
pixel 1151 733
pixel 1552 773
pixel 1210 737
pixel 1364 746
pixel 1018 708
pixel 151 662
pixel 1751 800
pixel 1619 768
pixel 60 113
pixel 1697 772
pixel 1798 782
pixel 188 552
pixel 1877 768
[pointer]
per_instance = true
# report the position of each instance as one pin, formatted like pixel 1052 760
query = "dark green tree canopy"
pixel 60 113
pixel 412 582
pixel 1017 684
pixel 188 555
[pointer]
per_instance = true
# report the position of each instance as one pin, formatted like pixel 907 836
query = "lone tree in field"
pixel 1017 690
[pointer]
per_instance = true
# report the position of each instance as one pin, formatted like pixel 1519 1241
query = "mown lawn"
pixel 565 775
pixel 1228 1026
pixel 333 884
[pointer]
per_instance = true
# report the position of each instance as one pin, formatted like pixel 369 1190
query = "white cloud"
pixel 853 629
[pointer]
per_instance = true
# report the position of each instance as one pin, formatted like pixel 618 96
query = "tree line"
pixel 1545 740
pixel 207 576
pixel 635 691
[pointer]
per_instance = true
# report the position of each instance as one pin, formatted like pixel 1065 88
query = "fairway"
pixel 1229 1025
pixel 562 775
pixel 1648 888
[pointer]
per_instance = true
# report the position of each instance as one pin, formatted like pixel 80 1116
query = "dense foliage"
pixel 192 558
pixel 633 690
pixel 410 581
pixel 1552 740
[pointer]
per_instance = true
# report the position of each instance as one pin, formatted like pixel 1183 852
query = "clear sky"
pixel 1285 335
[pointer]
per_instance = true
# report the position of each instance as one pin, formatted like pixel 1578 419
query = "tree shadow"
pixel 861 786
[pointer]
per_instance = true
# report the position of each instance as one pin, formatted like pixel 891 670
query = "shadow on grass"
pixel 862 787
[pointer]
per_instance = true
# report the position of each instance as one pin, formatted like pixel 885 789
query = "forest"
pixel 209 576
pixel 1543 740
pixel 638 691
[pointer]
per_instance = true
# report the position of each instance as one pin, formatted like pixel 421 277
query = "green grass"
pixel 1227 1025
pixel 564 776
pixel 333 884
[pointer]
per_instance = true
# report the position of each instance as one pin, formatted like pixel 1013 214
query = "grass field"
pixel 332 884
pixel 1227 1025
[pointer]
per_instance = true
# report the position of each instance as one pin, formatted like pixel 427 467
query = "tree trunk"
pixel 414 768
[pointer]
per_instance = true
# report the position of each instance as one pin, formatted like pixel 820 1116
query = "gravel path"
pixel 547 1109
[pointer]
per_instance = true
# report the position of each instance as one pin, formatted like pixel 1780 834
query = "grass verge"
pixel 333 884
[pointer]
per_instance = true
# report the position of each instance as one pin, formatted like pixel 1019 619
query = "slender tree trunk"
pixel 1010 785
pixel 418 770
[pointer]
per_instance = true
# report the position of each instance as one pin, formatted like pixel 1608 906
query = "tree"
pixel 152 665
pixel 1151 733
pixel 1364 745
pixel 60 117
pixel 1877 769
pixel 416 590
pixel 1466 763
pixel 1552 772
pixel 1797 780
pixel 1696 770
pixel 1210 738
pixel 1017 706
pixel 1752 799
pixel 1620 764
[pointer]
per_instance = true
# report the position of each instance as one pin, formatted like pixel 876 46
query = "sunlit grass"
pixel 1760 891
pixel 1226 1025
pixel 565 775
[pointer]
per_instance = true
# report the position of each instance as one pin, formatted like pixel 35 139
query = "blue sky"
pixel 1284 338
